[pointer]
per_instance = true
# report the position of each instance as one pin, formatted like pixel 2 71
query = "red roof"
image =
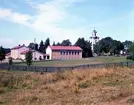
pixel 76 48
pixel 17 47
pixel 25 52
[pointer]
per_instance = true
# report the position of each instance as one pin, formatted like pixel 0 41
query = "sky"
pixel 23 20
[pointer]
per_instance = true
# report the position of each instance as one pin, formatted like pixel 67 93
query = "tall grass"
pixel 76 87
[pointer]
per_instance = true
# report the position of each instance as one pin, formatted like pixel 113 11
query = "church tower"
pixel 94 39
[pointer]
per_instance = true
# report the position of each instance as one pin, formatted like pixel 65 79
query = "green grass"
pixel 92 60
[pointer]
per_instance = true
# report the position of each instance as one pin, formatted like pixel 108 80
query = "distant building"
pixel 19 52
pixel 64 52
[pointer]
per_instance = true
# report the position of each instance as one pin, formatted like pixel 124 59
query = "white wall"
pixel 22 56
pixel 49 52
pixel 37 55
pixel 15 53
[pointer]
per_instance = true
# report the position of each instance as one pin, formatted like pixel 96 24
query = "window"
pixel 72 53
pixel 66 53
pixel 75 53
pixel 69 53
pixel 78 53
pixel 60 53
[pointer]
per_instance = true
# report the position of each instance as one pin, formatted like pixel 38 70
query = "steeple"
pixel 94 38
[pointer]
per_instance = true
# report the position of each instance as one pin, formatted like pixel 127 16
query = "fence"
pixel 5 66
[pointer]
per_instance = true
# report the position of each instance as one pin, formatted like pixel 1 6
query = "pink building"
pixel 64 52
pixel 19 52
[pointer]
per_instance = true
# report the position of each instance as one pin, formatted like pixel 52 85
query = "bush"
pixel 129 57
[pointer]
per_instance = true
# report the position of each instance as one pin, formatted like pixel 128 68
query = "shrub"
pixel 129 57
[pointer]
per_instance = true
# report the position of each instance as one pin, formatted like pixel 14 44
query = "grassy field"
pixel 112 86
pixel 92 60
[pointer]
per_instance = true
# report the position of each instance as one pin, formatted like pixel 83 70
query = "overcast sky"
pixel 23 20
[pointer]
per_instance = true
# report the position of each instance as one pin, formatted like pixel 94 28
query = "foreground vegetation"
pixel 107 86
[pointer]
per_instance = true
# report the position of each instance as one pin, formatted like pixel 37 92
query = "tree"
pixel 47 43
pixel 86 47
pixel 54 44
pixel 117 46
pixel 131 50
pixel 29 57
pixel 42 47
pixel 58 44
pixel 127 44
pixel 33 46
pixel 66 43
pixel 2 54
pixel 108 45
pixel 10 61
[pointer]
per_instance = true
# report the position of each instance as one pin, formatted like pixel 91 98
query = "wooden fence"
pixel 5 66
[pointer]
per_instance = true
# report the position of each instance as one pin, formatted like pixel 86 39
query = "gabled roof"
pixel 25 52
pixel 18 47
pixel 72 48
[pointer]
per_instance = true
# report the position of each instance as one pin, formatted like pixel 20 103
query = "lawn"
pixel 92 60
pixel 105 86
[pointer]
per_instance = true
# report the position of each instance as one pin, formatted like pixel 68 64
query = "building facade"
pixel 64 52
pixel 19 52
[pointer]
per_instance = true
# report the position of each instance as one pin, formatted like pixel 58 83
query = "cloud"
pixel 9 15
pixel 5 13
pixel 48 18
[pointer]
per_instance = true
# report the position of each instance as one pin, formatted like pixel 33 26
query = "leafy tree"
pixel 2 54
pixel 33 46
pixel 86 47
pixel 131 50
pixel 108 45
pixel 28 58
pixel 7 50
pixel 66 43
pixel 127 44
pixel 10 61
pixel 117 46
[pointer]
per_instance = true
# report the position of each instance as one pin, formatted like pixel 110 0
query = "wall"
pixel 37 55
pixel 15 53
pixel 67 54
pixel 49 52
pixel 22 56
pixel 22 49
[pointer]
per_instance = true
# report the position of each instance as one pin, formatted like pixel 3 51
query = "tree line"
pixel 105 45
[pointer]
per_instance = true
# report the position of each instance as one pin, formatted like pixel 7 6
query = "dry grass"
pixel 107 86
